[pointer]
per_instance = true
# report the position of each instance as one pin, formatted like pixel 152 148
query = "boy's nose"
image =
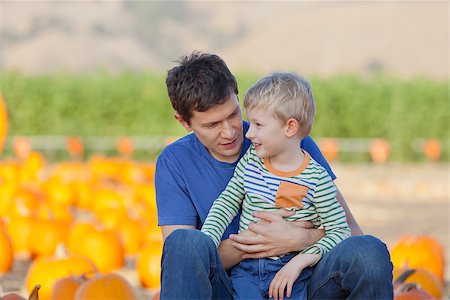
pixel 249 133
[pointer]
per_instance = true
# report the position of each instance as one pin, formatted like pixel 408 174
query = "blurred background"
pixel 85 113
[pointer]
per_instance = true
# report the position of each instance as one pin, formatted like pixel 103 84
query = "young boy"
pixel 276 173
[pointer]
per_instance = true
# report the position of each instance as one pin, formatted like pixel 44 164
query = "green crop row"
pixel 104 104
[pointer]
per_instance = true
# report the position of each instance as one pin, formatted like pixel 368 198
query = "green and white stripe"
pixel 254 187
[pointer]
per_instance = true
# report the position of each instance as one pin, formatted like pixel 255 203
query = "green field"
pixel 136 104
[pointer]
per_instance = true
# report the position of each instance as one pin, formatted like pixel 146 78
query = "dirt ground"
pixel 388 201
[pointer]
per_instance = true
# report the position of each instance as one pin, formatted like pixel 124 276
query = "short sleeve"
pixel 174 204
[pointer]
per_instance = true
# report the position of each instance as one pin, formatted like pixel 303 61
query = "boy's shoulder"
pixel 313 164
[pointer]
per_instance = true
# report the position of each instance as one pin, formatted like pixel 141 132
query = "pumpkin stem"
pixel 35 293
pixel 400 279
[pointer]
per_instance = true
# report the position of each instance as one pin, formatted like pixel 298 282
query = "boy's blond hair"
pixel 288 95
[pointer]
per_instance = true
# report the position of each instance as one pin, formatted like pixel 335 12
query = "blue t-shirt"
pixel 188 180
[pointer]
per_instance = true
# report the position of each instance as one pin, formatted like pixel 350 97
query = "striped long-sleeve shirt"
pixel 257 186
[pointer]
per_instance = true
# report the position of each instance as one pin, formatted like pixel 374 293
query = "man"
pixel 194 170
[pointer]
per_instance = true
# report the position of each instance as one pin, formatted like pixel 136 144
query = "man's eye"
pixel 212 125
pixel 233 115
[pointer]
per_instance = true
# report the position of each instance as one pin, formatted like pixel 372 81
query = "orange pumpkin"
pixel 75 146
pixel 131 233
pixel 45 236
pixel 12 296
pixel 19 230
pixel 149 171
pixel 107 199
pixel 6 250
pixel 77 231
pixel 34 295
pixel 58 192
pixel 411 291
pixel 148 265
pixel 125 146
pixel 55 212
pixel 111 218
pixel 47 270
pixel 3 122
pixel 422 252
pixel 329 148
pixel 82 193
pixel 24 203
pixel 7 192
pixel 109 286
pixel 379 150
pixel 22 148
pixel 432 149
pixel 426 280
pixel 145 193
pixel 66 288
pixel 32 166
pixel 153 234
pixel 103 247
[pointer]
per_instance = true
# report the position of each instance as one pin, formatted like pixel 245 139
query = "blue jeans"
pixel 251 278
pixel 357 268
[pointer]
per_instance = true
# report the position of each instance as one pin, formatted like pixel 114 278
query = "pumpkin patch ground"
pixel 389 202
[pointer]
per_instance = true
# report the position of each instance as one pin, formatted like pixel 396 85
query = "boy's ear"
pixel 292 127
pixel 182 122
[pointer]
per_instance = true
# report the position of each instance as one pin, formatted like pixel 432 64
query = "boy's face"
pixel 266 133
pixel 219 129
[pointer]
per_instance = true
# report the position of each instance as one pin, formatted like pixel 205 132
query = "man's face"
pixel 219 129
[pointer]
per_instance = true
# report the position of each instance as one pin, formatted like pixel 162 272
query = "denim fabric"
pixel 191 268
pixel 357 268
pixel 252 277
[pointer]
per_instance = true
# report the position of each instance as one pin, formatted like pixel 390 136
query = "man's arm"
pixel 229 255
pixel 168 229
pixel 356 230
pixel 272 235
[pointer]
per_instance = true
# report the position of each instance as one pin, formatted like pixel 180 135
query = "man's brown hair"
pixel 200 82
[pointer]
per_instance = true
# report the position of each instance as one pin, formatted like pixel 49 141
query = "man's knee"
pixel 185 239
pixel 370 247
pixel 368 251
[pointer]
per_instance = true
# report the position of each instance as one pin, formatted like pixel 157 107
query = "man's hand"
pixel 272 235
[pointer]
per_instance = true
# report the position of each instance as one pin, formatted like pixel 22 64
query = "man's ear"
pixel 292 127
pixel 182 122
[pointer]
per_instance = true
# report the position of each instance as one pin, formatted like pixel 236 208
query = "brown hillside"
pixel 404 38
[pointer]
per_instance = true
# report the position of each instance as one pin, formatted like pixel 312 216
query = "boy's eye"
pixel 212 125
pixel 258 124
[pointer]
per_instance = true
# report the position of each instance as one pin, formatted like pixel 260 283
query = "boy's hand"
pixel 284 280
pixel 287 275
